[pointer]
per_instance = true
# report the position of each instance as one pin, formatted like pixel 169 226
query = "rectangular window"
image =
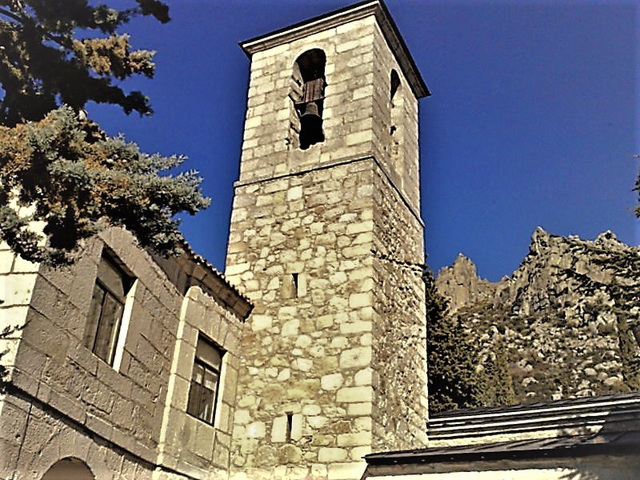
pixel 205 381
pixel 107 305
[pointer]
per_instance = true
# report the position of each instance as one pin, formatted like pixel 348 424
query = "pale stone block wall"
pixel 188 444
pixel 64 401
pixel 397 151
pixel 306 355
pixel 399 347
pixel 17 281
pixel 34 437
pixel 55 371
pixel 303 230
pixel 269 148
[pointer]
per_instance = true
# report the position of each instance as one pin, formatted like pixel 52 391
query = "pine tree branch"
pixel 23 21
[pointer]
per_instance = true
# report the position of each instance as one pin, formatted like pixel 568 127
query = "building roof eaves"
pixel 569 446
pixel 617 416
pixel 560 414
pixel 236 299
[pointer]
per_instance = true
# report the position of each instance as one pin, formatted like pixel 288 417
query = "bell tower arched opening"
pixel 308 96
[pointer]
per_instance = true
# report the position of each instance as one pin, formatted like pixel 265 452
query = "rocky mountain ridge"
pixel 567 320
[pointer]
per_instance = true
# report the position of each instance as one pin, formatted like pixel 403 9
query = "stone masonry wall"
pixel 64 401
pixel 187 444
pixel 54 372
pixel 317 388
pixel 342 355
pixel 54 366
pixel 267 148
pixel 395 123
pixel 47 437
pixel 306 354
pixel 399 353
pixel 17 281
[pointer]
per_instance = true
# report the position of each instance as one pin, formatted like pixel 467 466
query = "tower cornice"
pixel 340 17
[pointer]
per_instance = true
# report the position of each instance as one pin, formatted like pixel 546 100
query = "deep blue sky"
pixel 532 119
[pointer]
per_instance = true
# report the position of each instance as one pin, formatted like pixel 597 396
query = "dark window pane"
pixel 209 354
pixel 206 405
pixel 108 327
pixel 113 278
pixel 94 316
pixel 194 399
pixel 198 374
pixel 105 313
pixel 210 379
pixel 204 381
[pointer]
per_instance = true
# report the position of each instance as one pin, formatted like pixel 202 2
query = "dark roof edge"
pixel 340 17
pixel 418 85
pixel 232 296
pixel 188 269
pixel 579 403
pixel 620 447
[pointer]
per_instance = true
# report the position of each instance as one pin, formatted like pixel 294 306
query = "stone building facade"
pixel 113 403
pixel 323 239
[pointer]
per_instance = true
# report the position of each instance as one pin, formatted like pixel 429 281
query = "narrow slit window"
pixel 289 426
pixel 394 85
pixel 294 277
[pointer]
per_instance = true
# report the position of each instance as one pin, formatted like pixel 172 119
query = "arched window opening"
pixel 395 105
pixel 69 469
pixel 308 96
pixel 395 84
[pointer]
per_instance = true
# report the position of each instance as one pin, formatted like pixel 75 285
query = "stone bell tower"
pixel 326 239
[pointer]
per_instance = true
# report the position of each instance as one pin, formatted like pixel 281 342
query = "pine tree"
pixel 499 383
pixel 454 380
pixel 60 175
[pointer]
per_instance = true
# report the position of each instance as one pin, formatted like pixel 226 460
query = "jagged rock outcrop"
pixel 567 319
pixel 461 285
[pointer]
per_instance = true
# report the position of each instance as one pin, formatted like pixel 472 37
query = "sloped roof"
pixel 603 425
pixel 559 414
pixel 567 446
pixel 192 269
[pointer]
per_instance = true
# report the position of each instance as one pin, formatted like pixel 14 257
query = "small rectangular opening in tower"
pixel 289 426
pixel 296 285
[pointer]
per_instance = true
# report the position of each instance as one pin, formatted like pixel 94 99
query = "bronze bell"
pixel 310 126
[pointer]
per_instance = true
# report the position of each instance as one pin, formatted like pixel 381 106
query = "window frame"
pixel 196 406
pixel 97 326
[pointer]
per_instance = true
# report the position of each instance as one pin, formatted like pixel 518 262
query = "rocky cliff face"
pixel 461 285
pixel 567 319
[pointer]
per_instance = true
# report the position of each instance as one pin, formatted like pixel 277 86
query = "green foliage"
pixel 452 357
pixel 499 383
pixel 75 186
pixel 43 64
pixel 60 175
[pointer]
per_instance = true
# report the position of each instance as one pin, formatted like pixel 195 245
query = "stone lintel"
pixel 340 17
